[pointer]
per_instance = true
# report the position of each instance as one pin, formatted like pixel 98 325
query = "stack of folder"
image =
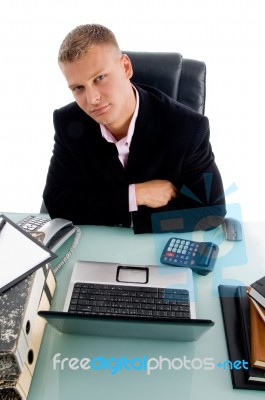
pixel 21 329
pixel 244 321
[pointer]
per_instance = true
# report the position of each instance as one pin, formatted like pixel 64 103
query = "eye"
pixel 77 89
pixel 100 78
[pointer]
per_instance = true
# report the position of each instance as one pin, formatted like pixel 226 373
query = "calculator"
pixel 199 256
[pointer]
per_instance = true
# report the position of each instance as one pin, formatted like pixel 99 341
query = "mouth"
pixel 100 110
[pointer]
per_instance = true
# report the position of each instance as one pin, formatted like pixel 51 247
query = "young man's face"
pixel 100 82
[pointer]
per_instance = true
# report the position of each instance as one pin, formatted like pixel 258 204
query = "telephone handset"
pixel 56 231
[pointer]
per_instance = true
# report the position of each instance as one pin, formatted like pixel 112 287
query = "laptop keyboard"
pixel 129 301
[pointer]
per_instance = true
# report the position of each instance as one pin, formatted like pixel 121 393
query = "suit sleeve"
pixel 200 183
pixel 194 172
pixel 77 188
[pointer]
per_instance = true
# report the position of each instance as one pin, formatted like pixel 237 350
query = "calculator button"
pixel 169 254
pixel 169 248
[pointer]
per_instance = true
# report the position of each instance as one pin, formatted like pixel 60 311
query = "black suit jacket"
pixel 87 184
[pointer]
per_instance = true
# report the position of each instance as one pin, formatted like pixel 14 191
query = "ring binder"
pixel 21 331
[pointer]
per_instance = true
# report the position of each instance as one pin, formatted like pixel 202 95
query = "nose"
pixel 92 96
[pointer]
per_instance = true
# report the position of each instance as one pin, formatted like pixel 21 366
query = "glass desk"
pixel 179 368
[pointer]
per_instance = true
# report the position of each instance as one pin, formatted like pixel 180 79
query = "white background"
pixel 229 35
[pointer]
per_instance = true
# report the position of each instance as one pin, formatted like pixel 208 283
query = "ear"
pixel 127 66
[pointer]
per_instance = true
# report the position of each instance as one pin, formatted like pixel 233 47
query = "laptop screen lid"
pixel 188 330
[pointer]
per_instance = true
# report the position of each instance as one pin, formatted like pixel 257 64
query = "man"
pixel 122 151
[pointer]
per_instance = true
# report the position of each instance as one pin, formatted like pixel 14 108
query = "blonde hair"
pixel 78 42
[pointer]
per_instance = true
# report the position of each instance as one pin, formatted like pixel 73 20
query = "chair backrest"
pixel 182 79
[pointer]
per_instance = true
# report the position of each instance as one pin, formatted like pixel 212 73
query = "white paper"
pixel 18 254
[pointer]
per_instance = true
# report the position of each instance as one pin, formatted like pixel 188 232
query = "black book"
pixel 257 291
pixel 234 336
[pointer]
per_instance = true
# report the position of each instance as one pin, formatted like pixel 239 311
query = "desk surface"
pixel 238 262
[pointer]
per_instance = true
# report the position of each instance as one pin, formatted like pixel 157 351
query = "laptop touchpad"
pixel 128 274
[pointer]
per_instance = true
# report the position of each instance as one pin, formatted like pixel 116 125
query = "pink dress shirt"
pixel 123 147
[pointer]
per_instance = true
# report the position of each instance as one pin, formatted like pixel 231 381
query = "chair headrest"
pixel 159 70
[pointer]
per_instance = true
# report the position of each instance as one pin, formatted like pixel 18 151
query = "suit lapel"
pixel 94 147
pixel 146 150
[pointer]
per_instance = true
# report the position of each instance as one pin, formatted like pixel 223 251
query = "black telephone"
pixel 56 230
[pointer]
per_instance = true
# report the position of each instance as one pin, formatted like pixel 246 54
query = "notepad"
pixel 20 254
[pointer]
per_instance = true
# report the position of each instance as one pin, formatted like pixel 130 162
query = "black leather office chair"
pixel 182 79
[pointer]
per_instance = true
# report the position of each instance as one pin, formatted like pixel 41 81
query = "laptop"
pixel 132 301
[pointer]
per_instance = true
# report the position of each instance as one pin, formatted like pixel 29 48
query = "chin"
pixel 103 121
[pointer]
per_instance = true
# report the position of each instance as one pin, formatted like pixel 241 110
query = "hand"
pixel 154 194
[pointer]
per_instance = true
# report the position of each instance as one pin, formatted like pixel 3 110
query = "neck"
pixel 120 130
